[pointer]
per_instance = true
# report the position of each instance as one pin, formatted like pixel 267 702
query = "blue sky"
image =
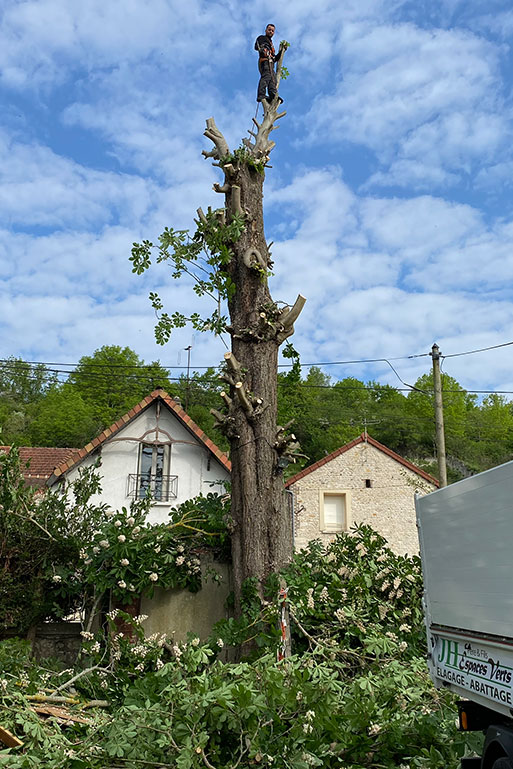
pixel 389 201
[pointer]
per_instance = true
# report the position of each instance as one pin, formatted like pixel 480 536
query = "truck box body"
pixel 466 547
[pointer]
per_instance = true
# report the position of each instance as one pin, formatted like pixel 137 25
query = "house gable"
pixel 113 432
pixel 363 438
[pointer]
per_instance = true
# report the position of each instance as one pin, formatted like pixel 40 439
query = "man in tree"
pixel 266 59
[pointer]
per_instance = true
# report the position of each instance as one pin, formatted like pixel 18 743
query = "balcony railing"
pixel 161 488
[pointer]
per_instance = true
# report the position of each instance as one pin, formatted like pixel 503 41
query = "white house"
pixel 361 482
pixel 156 446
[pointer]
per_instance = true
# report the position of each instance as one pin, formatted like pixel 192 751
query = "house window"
pixel 368 483
pixel 153 472
pixel 153 477
pixel 334 511
pixel 152 467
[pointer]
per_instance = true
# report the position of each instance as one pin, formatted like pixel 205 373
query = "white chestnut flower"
pixel 121 538
pixel 180 560
pixel 195 641
pixel 121 584
pixel 136 530
pixel 57 578
pixel 124 562
pixel 117 523
pixel 131 587
pixel 110 513
pixel 96 550
pixel 131 521
pixel 324 595
pixel 104 543
pixel 153 576
pixel 220 643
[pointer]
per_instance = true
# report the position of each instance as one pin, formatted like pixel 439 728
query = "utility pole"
pixel 188 377
pixel 439 416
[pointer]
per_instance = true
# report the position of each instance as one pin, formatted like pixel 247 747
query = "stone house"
pixel 361 482
pixel 156 446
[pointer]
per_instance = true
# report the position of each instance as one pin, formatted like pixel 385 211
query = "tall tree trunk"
pixel 262 535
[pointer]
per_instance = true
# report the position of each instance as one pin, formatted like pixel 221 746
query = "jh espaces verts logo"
pixel 473 661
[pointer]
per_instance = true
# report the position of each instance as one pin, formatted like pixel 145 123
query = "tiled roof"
pixel 111 431
pixel 43 462
pixel 372 442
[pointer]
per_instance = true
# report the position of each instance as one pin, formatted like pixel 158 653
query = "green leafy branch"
pixel 242 156
pixel 284 71
pixel 203 257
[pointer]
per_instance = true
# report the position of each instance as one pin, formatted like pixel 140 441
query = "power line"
pixel 108 376
pixel 15 361
pixel 169 368
pixel 481 349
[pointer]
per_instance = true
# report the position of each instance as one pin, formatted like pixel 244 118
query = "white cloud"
pixel 44 39
pixel 418 227
pixel 428 102
pixel 45 189
pixel 424 269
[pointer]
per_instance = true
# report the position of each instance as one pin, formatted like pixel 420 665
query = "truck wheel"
pixel 502 763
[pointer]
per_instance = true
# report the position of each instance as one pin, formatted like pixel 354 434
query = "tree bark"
pixel 262 536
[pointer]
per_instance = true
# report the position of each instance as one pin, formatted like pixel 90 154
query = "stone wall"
pixel 60 640
pixel 387 504
pixel 173 612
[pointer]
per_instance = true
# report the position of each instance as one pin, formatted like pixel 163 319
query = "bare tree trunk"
pixel 262 535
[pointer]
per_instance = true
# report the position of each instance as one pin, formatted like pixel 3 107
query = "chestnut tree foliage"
pixel 355 693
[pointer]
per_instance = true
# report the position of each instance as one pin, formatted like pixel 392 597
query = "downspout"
pixel 292 516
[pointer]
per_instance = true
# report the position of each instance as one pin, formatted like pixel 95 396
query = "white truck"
pixel 466 548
